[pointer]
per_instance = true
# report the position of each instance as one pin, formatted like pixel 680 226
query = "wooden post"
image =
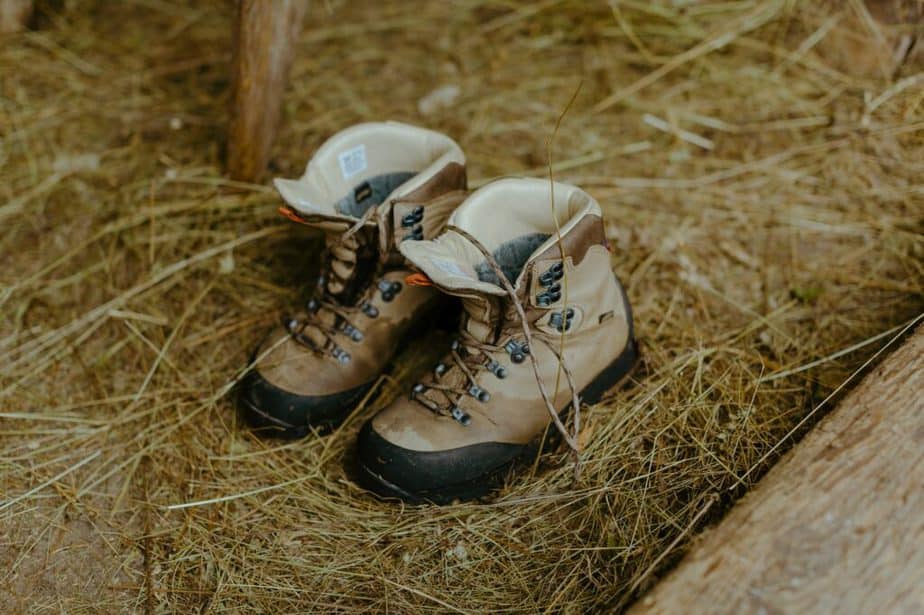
pixel 836 527
pixel 264 43
pixel 14 15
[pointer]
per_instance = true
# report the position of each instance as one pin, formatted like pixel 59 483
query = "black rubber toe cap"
pixel 276 410
pixel 437 476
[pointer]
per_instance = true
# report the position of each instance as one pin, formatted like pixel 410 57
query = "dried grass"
pixel 765 208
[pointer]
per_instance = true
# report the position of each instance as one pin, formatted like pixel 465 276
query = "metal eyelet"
pixel 549 297
pixel 551 275
pixel 517 351
pixel 370 310
pixel 418 389
pixel 515 346
pixel 560 321
pixel 412 218
pixel 478 393
pixel 355 334
pixel 389 289
pixel 313 305
pixel 497 369
pixel 460 415
pixel 341 355
pixel 416 234
pixel 440 369
pixel 558 268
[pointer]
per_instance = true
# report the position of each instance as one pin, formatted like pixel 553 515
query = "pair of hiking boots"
pixel 543 319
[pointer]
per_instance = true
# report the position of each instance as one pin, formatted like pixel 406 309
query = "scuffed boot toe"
pixel 274 411
pixel 414 476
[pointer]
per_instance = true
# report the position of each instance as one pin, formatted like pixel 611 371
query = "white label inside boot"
pixel 450 267
pixel 353 161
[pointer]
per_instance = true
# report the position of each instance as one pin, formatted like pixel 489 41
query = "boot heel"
pixel 614 374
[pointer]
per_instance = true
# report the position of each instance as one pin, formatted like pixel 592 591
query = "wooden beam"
pixel 835 527
pixel 264 45
pixel 14 15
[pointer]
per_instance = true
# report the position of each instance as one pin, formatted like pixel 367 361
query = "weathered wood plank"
pixel 265 34
pixel 836 527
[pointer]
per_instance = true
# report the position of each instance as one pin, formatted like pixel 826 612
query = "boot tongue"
pixel 349 258
pixel 451 263
pixel 337 216
pixel 351 261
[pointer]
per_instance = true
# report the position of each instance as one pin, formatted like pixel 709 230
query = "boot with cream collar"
pixel 545 322
pixel 368 188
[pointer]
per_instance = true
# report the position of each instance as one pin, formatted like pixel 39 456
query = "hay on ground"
pixel 764 203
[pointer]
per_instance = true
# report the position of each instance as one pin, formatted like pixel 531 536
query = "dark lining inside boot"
pixel 511 256
pixel 371 193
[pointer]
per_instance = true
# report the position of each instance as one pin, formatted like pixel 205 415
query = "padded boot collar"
pixel 516 220
pixel 365 165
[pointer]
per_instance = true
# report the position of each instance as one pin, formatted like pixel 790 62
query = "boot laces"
pixel 471 356
pixel 329 315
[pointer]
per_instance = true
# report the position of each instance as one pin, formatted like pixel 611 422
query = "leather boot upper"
pixel 484 393
pixel 369 188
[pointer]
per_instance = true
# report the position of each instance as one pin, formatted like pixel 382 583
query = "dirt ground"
pixel 763 198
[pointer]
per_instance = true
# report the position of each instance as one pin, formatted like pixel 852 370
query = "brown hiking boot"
pixel 368 188
pixel 528 299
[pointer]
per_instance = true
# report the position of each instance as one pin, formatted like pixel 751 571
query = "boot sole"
pixel 266 424
pixel 614 375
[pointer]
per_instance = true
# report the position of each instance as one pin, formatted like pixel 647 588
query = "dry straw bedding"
pixel 783 227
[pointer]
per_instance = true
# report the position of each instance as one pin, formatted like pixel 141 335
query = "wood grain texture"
pixel 264 44
pixel 836 527
pixel 14 14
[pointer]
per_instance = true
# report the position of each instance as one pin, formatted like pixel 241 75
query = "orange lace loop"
pixel 418 279
pixel 291 214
